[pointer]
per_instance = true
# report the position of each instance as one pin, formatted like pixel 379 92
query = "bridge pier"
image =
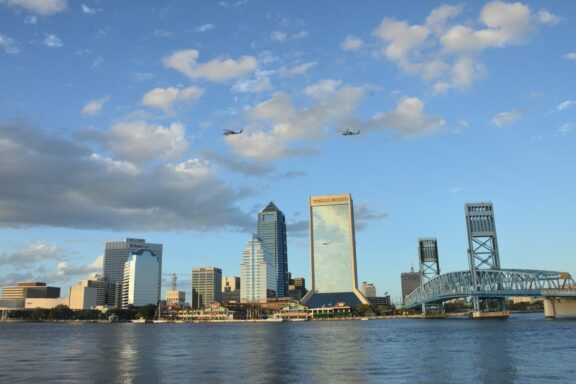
pixel 433 311
pixel 489 314
pixel 555 307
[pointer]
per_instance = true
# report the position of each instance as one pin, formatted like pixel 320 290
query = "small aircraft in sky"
pixel 228 132
pixel 349 132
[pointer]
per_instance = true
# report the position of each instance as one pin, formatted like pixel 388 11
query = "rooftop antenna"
pixel 174 278
pixel 411 266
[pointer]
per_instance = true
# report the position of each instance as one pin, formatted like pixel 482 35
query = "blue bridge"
pixel 492 284
pixel 486 283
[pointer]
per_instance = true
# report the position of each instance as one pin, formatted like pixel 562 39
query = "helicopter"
pixel 228 132
pixel 349 132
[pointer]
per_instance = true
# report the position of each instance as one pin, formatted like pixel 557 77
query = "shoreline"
pixel 263 321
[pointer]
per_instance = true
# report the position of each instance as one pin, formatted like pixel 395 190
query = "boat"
pixel 139 321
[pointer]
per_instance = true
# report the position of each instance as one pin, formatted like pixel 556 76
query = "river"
pixel 521 349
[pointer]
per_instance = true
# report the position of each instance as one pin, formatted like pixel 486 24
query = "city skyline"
pixel 112 118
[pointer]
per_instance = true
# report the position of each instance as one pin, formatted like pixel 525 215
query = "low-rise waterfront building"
pixel 212 312
pixel 82 297
pixel 293 311
pixel 44 303
pixel 30 290
pixel 380 301
pixel 340 310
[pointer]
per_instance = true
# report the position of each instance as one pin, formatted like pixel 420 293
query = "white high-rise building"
pixel 116 253
pixel 140 283
pixel 257 272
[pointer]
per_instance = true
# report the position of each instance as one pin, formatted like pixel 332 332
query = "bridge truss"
pixel 489 283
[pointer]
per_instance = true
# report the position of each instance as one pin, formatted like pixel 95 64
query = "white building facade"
pixel 140 285
pixel 257 272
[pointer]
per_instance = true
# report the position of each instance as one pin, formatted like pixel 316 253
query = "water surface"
pixel 522 349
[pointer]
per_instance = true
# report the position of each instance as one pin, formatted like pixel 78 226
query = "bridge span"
pixel 492 283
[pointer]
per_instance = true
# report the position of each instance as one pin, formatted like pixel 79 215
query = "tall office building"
pixel 101 286
pixel 116 254
pixel 368 290
pixel 206 286
pixel 230 289
pixel 332 252
pixel 139 286
pixel 257 272
pixel 410 281
pixel 296 287
pixel 271 229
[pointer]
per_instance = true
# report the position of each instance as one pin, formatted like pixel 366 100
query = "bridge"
pixel 486 283
pixel 492 284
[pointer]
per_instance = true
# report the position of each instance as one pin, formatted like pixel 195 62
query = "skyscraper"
pixel 206 286
pixel 116 254
pixel 140 283
pixel 410 281
pixel 271 229
pixel 368 290
pixel 332 252
pixel 257 272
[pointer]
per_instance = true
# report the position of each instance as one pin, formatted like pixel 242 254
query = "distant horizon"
pixel 178 122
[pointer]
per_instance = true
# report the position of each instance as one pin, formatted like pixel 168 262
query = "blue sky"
pixel 111 120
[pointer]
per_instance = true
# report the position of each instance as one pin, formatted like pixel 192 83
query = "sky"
pixel 112 116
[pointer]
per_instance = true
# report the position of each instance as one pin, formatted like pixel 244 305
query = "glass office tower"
pixel 116 253
pixel 333 252
pixel 271 229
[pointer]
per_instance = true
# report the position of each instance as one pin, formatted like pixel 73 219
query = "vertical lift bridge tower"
pixel 482 251
pixel 429 268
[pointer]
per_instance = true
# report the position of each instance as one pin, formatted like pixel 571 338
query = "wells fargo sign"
pixel 335 199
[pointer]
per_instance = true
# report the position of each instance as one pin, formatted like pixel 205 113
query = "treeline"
pixel 64 313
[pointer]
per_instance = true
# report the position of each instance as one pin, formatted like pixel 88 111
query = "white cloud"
pixel 565 129
pixel 277 128
pixel 351 43
pixel 205 28
pixel 34 252
pixel 9 45
pixel 52 41
pixel 437 20
pixel 408 119
pixel 94 107
pixel 162 33
pixel 322 88
pixel 141 142
pixel 215 70
pixel 546 17
pixel 504 119
pixel 31 20
pixel 164 98
pixel 565 105
pixel 297 70
pixel 570 56
pixel 90 11
pixel 278 36
pixel 445 52
pixel 300 35
pixel 257 85
pixel 71 271
pixel 41 7
pixel 98 192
